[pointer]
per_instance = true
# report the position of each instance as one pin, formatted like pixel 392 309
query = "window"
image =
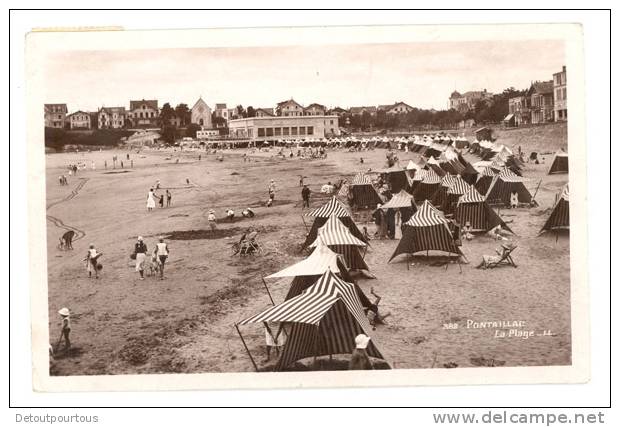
pixel 277 131
pixel 261 132
pixel 250 132
pixel 302 130
pixel 563 93
pixel 269 131
pixel 310 130
pixel 331 122
pixel 285 131
pixel 294 131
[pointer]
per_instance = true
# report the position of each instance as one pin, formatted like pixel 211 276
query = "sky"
pixel 420 74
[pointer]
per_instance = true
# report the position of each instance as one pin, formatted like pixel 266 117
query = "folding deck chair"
pixel 505 257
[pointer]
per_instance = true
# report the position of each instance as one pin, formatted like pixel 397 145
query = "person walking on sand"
pixel 140 251
pixel 105 164
pixel 305 195
pixel 162 252
pixel 150 200
pixel 168 198
pixel 91 261
pixel 161 201
pixel 211 219
pixel 65 316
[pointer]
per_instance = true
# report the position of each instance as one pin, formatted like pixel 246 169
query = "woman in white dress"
pixel 150 200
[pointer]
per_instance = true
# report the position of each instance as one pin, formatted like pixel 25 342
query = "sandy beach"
pixel 122 325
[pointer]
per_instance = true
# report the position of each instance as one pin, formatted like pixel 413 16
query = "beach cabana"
pixel 427 230
pixel 321 214
pixel 560 163
pixel 323 320
pixel 427 186
pixel 362 194
pixel 396 176
pixel 560 216
pixel 340 240
pixel 455 191
pixel 503 185
pixel 472 208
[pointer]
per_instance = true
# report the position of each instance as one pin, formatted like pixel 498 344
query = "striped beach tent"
pixel 363 194
pixel 560 216
pixel 484 180
pixel 426 230
pixel 503 185
pixel 333 207
pixel 473 208
pixel 469 173
pixel 340 240
pixel 441 194
pixel 428 185
pixel 433 163
pixel 397 177
pixel 455 191
pixel 404 203
pixel 560 163
pixel 324 320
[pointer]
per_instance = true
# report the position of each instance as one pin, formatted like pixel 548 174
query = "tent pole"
pixel 246 348
pixel 268 293
pixel 304 221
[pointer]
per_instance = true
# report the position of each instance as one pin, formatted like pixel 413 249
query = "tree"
pixel 169 134
pixel 167 114
pixel 366 120
pixel 191 130
pixel 184 113
pixel 251 112
pixel 241 111
pixel 218 121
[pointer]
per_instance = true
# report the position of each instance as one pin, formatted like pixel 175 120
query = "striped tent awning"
pixel 507 175
pixel 333 207
pixel 431 177
pixel 361 179
pixel 487 171
pixel 320 260
pixel 325 319
pixel 448 180
pixel 427 215
pixel 471 196
pixel 399 200
pixel 334 232
pixel 459 186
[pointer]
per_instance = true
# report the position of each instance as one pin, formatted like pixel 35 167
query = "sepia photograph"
pixel 309 205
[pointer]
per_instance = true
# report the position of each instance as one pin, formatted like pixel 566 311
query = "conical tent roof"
pixel 426 216
pixel 326 318
pixel 412 165
pixel 471 196
pixel 333 207
pixel 334 232
pixel 459 186
pixel 399 200
pixel 431 177
pixel 447 180
pixel 560 216
pixel 320 260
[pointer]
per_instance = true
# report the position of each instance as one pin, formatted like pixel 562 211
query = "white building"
pixel 201 114
pixel 284 127
pixel 79 120
pixel 206 133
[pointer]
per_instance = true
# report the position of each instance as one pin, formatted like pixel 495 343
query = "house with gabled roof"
pixel 143 113
pixel 289 108
pixel 541 101
pixel 111 117
pixel 314 109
